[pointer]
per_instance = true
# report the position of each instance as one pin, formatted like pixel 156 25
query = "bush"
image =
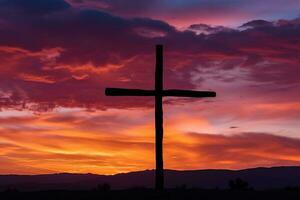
pixel 105 187
pixel 238 184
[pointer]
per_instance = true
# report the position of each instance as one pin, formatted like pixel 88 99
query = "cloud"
pixel 239 150
pixel 256 23
pixel 182 13
pixel 207 29
pixel 66 58
pixel 33 6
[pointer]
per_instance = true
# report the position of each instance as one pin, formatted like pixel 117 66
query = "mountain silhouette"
pixel 258 178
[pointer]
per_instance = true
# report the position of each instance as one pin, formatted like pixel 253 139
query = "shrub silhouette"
pixel 292 188
pixel 105 187
pixel 238 184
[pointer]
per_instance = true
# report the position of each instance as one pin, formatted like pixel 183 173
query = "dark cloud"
pixel 185 12
pixel 33 6
pixel 256 23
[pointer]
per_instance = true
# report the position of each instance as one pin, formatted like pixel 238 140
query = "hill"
pixel 258 178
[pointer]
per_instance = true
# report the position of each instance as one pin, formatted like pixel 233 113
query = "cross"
pixel 159 93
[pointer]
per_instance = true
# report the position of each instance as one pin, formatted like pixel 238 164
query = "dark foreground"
pixel 141 194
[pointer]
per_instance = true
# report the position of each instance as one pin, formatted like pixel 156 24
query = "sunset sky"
pixel 57 57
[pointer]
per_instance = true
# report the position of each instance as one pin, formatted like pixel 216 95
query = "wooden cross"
pixel 158 93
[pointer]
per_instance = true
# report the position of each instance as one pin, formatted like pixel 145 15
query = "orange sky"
pixel 114 141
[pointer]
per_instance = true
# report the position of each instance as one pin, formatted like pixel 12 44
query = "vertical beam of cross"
pixel 159 173
pixel 159 93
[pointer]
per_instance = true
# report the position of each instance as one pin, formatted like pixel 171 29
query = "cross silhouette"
pixel 158 93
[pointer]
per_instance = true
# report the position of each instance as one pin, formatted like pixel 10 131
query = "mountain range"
pixel 258 178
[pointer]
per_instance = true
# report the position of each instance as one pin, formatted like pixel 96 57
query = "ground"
pixel 145 194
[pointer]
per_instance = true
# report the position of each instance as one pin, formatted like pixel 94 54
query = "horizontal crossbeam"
pixel 128 92
pixel 188 93
pixel 165 93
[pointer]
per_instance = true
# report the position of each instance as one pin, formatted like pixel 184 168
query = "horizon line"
pixel 145 170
